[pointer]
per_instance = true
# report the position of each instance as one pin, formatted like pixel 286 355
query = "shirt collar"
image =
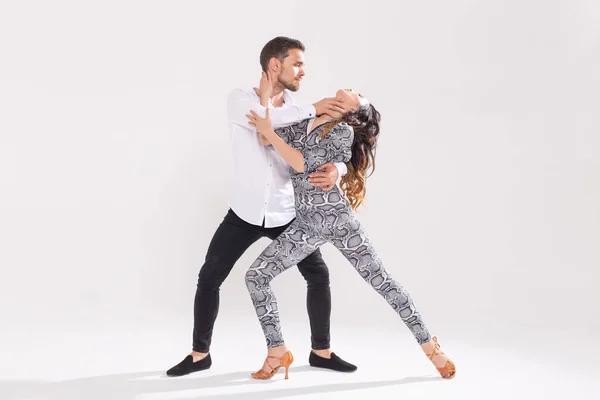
pixel 287 97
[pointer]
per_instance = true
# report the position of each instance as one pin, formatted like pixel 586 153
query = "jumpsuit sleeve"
pixel 343 137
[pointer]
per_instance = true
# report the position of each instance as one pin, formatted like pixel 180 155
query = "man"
pixel 262 205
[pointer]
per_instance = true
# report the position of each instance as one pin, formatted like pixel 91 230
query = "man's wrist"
pixel 314 105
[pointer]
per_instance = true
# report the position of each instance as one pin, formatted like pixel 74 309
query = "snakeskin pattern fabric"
pixel 323 217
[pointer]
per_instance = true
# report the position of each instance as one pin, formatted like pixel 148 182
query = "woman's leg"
pixel 318 296
pixel 355 245
pixel 287 250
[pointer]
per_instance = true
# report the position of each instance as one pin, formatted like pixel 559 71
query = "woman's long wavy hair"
pixel 365 122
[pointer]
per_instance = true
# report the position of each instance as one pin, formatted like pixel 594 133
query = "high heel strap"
pixel 436 350
pixel 448 371
pixel 269 364
pixel 284 361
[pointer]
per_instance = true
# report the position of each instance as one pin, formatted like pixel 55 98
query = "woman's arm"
pixel 263 140
pixel 292 156
pixel 344 134
pixel 266 90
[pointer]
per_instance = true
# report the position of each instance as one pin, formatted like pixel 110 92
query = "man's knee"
pixel 212 274
pixel 318 283
pixel 317 277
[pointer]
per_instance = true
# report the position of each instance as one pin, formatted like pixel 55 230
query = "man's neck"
pixel 277 98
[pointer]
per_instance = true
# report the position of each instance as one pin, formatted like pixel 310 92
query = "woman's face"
pixel 350 99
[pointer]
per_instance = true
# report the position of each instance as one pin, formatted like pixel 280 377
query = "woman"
pixel 328 217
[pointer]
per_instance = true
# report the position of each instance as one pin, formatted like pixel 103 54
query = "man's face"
pixel 292 70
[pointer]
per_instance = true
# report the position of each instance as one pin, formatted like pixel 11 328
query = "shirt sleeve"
pixel 342 169
pixel 239 103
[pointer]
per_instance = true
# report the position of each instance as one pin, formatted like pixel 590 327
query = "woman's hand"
pixel 267 81
pixel 262 125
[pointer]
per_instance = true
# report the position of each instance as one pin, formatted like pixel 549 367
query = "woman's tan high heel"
pixel 448 371
pixel 284 361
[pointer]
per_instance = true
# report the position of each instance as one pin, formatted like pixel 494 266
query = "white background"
pixel 115 167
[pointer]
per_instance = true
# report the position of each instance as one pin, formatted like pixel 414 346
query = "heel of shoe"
pixel 448 371
pixel 288 361
pixel 284 362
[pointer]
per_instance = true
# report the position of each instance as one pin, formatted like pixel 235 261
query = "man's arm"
pixel 239 103
pixel 342 169
pixel 328 175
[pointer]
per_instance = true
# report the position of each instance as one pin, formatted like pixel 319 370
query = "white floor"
pixel 128 360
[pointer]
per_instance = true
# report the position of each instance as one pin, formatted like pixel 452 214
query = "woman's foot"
pixel 278 357
pixel 444 365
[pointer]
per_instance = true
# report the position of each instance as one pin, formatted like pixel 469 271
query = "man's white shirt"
pixel 262 189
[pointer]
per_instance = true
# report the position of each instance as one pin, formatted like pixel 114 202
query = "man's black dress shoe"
pixel 335 363
pixel 187 366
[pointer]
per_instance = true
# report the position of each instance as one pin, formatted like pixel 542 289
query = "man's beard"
pixel 292 86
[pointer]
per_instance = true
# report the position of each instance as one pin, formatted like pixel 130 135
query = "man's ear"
pixel 275 65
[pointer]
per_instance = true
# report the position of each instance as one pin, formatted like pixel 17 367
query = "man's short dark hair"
pixel 279 48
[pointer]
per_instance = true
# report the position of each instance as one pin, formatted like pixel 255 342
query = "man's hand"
pixel 331 106
pixel 326 179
